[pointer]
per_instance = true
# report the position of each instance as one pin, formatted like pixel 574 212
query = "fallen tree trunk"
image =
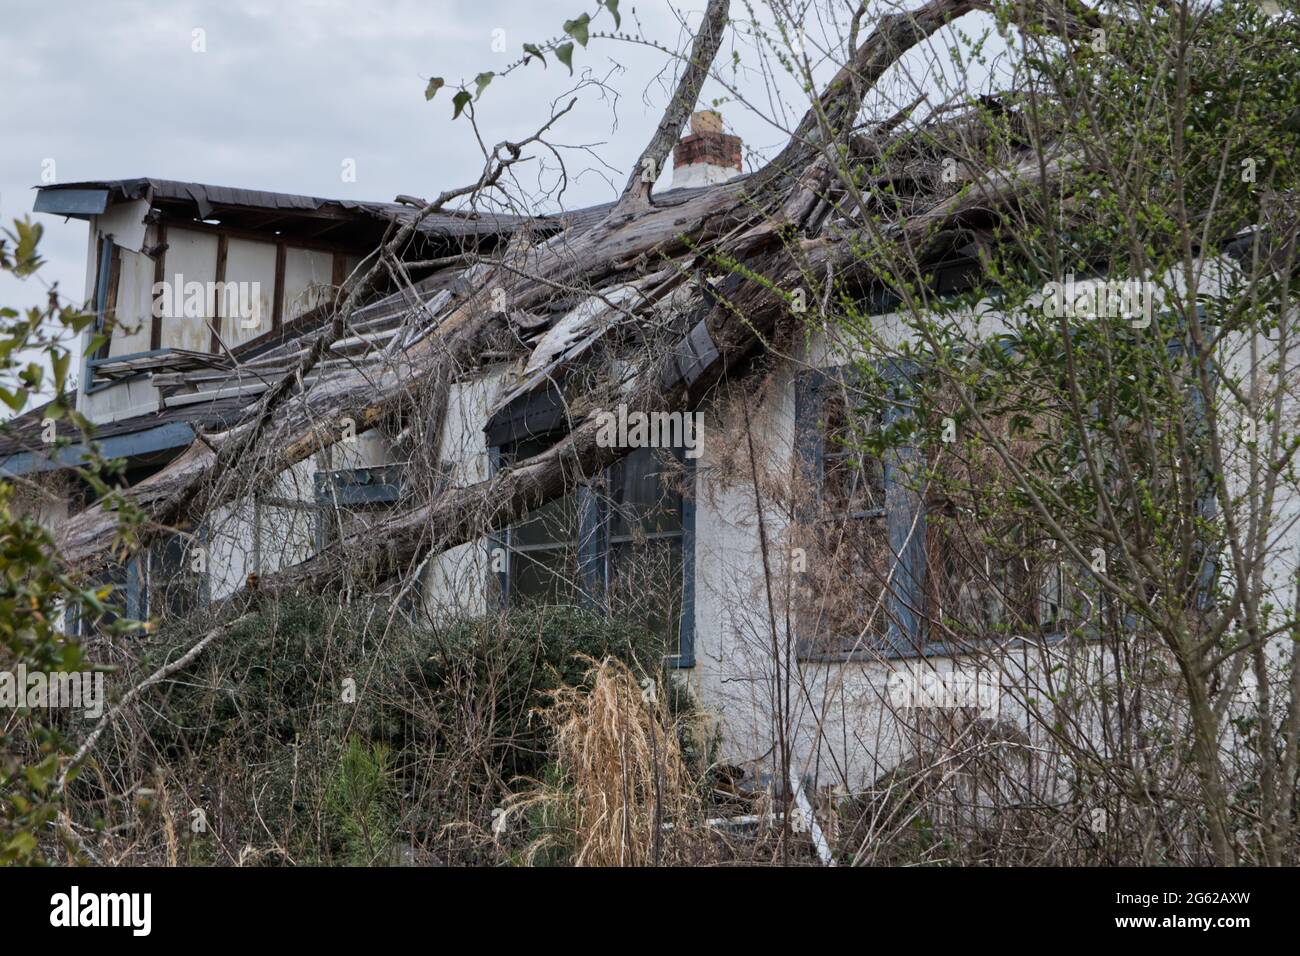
pixel 457 515
pixel 747 312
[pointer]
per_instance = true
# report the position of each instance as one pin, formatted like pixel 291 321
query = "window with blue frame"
pixel 889 568
pixel 642 518
pixel 164 581
pixel 862 528
pixel 79 623
pixel 541 552
pixel 622 542
pixel 349 500
pixel 1016 580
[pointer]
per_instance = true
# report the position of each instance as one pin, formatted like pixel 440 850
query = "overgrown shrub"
pixel 319 733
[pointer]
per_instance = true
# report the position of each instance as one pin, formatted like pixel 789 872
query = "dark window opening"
pixel 843 603
pixel 622 542
pixel 81 622
pixel 177 580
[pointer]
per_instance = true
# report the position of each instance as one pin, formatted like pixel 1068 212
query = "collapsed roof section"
pixel 199 392
pixel 204 386
pixel 189 388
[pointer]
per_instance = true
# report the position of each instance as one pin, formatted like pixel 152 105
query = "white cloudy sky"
pixel 287 90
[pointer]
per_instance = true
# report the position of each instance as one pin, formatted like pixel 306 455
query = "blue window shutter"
pixel 686 628
pixel 905 520
pixel 592 547
pixel 101 306
pixel 498 543
pixel 137 603
pixel 1207 504
pixel 809 441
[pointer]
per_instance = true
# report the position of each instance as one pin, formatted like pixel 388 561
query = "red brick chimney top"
pixel 706 146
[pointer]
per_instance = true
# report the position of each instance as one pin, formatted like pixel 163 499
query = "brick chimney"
pixel 706 156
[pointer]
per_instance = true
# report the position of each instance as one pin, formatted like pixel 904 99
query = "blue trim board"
pixel 593 544
pixel 500 597
pixel 101 305
pixel 686 631
pixel 147 441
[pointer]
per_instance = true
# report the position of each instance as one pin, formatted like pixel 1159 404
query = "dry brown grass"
pixel 624 791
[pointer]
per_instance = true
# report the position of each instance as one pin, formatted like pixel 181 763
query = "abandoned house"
pixel 215 293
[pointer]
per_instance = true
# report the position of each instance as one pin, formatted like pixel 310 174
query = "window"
pixel 644 569
pixel 78 622
pixel 623 542
pixel 864 529
pixel 891 566
pixel 177 580
pixel 165 580
pixel 1024 583
pixel 349 500
pixel 541 551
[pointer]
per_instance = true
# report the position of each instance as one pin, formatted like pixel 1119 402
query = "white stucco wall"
pixel 456 582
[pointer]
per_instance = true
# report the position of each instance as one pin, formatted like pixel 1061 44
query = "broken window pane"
pixel 979 591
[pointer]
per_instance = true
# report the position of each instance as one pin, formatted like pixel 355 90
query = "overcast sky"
pixel 286 91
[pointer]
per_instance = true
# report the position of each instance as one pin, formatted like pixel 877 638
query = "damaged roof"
pixel 205 392
pixel 82 200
